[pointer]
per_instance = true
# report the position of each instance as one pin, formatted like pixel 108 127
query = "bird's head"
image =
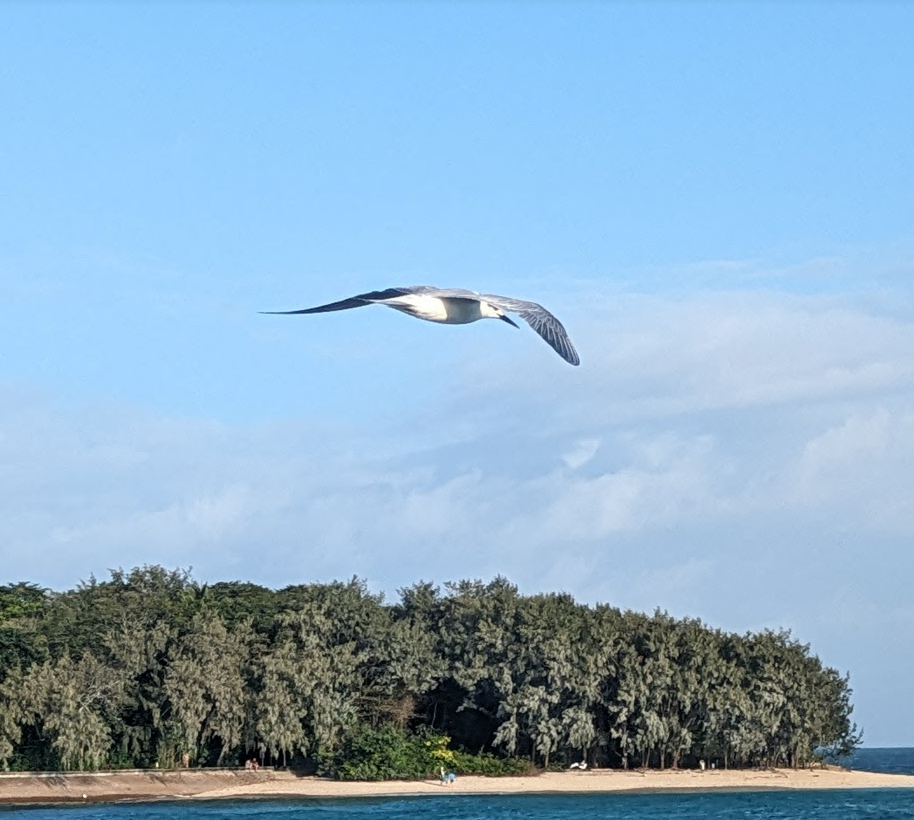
pixel 491 311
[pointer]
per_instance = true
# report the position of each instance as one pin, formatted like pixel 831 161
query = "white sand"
pixel 591 781
pixel 207 784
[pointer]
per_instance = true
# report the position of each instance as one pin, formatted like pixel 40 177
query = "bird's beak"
pixel 506 319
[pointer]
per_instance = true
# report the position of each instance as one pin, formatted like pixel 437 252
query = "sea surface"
pixel 851 804
pixel 893 761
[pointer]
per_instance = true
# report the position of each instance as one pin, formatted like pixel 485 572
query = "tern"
pixel 454 306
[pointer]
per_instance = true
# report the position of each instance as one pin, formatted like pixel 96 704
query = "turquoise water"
pixel 876 804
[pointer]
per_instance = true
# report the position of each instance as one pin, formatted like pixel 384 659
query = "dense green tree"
pixel 151 668
pixel 74 703
pixel 21 643
pixel 206 685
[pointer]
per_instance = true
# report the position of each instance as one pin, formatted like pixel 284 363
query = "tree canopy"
pixel 153 668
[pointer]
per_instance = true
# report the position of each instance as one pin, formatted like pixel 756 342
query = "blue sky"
pixel 715 199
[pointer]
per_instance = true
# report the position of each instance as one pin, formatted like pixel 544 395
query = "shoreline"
pixel 201 784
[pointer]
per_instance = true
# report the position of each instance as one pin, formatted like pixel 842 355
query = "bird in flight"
pixel 454 306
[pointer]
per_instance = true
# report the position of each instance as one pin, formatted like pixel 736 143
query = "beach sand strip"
pixel 220 784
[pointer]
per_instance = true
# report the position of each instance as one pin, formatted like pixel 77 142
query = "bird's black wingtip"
pixel 570 356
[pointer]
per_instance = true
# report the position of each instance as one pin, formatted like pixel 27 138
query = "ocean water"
pixel 856 804
pixel 875 804
pixel 893 761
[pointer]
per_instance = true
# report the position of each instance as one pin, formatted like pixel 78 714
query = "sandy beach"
pixel 205 785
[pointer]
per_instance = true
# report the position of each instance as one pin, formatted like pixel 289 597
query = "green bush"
pixel 384 753
pixel 387 753
pixel 489 765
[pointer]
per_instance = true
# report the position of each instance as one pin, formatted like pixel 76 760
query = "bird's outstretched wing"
pixel 542 321
pixel 533 313
pixel 353 302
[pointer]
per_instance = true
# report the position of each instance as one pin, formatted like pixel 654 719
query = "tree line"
pixel 151 668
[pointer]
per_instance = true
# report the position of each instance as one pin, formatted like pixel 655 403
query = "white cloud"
pixel 857 469
pixel 581 452
pixel 725 455
pixel 701 409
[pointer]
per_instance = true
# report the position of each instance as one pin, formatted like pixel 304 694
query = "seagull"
pixel 455 306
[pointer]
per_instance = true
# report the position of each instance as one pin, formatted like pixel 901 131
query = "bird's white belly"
pixel 446 310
